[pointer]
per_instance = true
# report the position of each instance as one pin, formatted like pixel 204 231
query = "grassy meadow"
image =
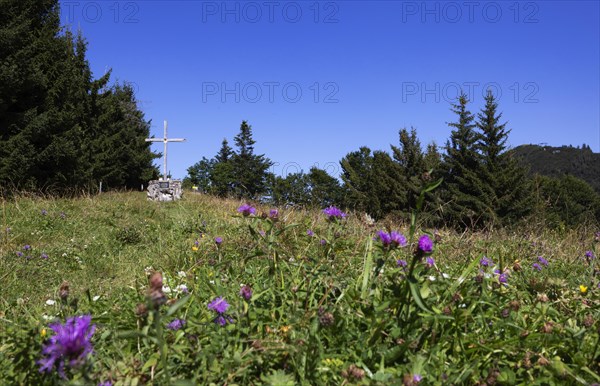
pixel 310 300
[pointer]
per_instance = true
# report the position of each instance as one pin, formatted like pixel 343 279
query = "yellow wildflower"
pixel 583 289
pixel 43 333
pixel 194 248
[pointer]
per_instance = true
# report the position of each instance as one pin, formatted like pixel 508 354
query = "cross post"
pixel 165 140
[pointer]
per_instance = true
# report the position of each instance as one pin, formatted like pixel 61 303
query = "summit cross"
pixel 165 140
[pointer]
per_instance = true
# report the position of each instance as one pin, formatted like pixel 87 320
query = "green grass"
pixel 320 314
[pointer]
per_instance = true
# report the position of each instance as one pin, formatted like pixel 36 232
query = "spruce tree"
pixel 463 191
pixel 409 156
pixel 505 180
pixel 249 169
pixel 222 177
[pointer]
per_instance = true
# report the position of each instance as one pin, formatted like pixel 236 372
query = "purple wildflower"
pixel 44 256
pixel 247 210
pixel 310 233
pixel 398 239
pixel 70 345
pixel 44 212
pixel 323 241
pixel 503 278
pixel 219 305
pixel 63 215
pixel 385 238
pixel 274 213
pixel 430 262
pixel 417 378
pixel 401 263
pixel 334 213
pixel 218 240
pixel 220 320
pixel 486 262
pixel 536 266
pixel 542 261
pixel 589 255
pixel 246 292
pixel 176 324
pixel 19 254
pixel 425 244
pixel 196 243
pixel 105 383
pixel 27 247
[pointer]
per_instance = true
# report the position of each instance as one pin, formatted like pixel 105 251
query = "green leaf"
pixel 367 266
pixel 151 362
pixel 173 309
pixel 416 295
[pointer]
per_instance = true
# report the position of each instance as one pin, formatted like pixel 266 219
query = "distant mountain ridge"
pixel 580 162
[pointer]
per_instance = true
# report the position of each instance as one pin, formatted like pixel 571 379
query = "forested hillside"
pixel 558 161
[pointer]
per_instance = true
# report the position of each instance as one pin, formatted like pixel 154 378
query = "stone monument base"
pixel 164 190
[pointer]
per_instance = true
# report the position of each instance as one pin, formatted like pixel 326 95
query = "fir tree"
pixel 249 169
pixel 222 177
pixel 509 196
pixel 464 191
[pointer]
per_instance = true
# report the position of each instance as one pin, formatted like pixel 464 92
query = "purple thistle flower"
pixel 19 254
pixel 310 233
pixel 247 210
pixel 386 239
pixel 44 212
pixel 398 239
pixel 70 345
pixel 323 241
pixel 589 254
pixel 417 378
pixel 334 213
pixel 218 240
pixel 430 262
pixel 542 261
pixel 536 266
pixel 425 244
pixel 221 321
pixel 485 262
pixel 274 213
pixel 176 324
pixel 44 256
pixel 401 263
pixel 27 247
pixel 219 305
pixel 246 292
pixel 503 278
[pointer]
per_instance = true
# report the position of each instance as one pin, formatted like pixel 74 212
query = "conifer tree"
pixel 464 191
pixel 409 156
pixel 504 179
pixel 222 177
pixel 249 169
pixel 373 183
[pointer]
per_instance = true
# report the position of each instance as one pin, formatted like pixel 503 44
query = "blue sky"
pixel 318 79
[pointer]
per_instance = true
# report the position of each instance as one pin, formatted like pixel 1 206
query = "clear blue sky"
pixel 317 80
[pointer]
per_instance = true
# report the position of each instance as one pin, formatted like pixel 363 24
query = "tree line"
pixel 60 129
pixel 484 183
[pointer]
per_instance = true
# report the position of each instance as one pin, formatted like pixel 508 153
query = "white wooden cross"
pixel 165 140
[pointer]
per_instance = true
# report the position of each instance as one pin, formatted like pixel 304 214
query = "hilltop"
pixel 552 161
